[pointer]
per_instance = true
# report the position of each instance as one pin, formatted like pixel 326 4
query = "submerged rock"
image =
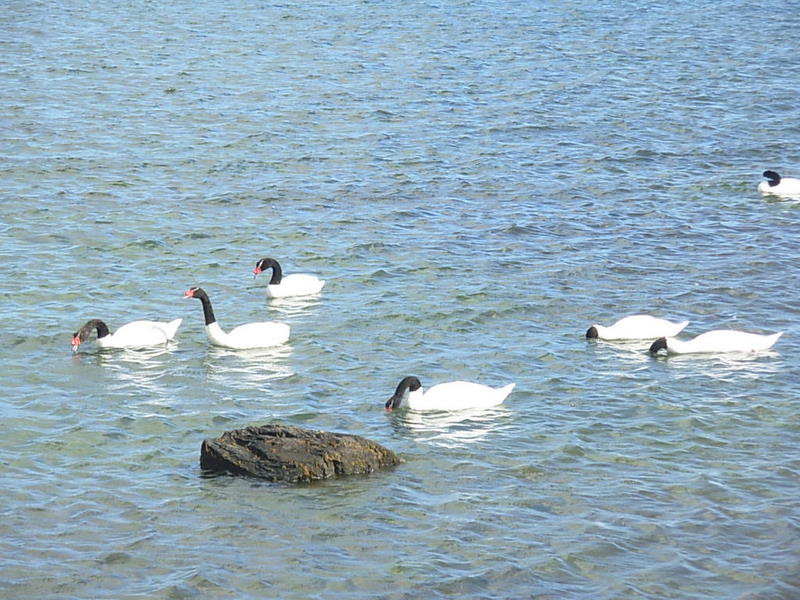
pixel 291 454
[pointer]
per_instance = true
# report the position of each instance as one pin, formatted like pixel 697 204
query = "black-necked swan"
pixel 136 334
pixel 780 186
pixel 285 286
pixel 636 327
pixel 244 337
pixel 717 341
pixel 453 395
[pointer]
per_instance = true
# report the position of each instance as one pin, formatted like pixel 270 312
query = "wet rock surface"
pixel 289 454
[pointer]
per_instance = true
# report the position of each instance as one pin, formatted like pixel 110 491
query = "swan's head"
pixel 269 263
pixel 772 177
pixel 84 332
pixel 195 292
pixel 263 264
pixel 592 333
pixel 406 386
pixel 659 344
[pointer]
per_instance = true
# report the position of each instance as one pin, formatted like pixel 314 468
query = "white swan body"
pixel 717 341
pixel 249 335
pixel 779 186
pixel 136 334
pixel 296 284
pixel 245 337
pixel 637 327
pixel 453 395
pixel 287 286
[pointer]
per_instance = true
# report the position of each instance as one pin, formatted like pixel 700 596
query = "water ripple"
pixel 478 183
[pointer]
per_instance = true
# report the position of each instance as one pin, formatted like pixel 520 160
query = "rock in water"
pixel 292 454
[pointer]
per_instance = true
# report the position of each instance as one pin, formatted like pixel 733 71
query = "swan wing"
pixel 257 335
pixel 136 334
pixel 639 327
pixel 170 328
pixel 457 395
pixel 724 340
pixel 296 284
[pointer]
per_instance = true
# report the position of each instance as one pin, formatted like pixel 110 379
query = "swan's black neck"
pixel 208 312
pixel 84 332
pixel 406 385
pixel 772 177
pixel 271 263
pixel 659 344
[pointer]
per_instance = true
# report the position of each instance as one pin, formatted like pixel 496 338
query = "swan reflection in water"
pixel 451 428
pixel 140 369
pixel 721 364
pixel 246 368
pixel 635 348
pixel 749 365
pixel 293 306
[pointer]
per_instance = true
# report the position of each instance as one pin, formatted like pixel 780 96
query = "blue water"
pixel 478 182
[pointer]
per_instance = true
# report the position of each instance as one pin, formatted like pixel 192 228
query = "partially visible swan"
pixel 636 327
pixel 285 286
pixel 717 341
pixel 136 334
pixel 454 395
pixel 780 186
pixel 244 337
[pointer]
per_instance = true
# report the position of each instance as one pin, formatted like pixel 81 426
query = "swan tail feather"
pixel 172 328
pixel 503 392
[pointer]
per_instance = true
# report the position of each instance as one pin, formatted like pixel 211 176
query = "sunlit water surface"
pixel 478 182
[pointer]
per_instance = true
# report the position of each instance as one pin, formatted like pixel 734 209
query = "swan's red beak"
pixel 257 270
pixel 188 294
pixel 76 341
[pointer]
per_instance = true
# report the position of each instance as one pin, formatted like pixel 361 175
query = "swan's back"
pixel 455 395
pixel 138 334
pixel 724 340
pixel 252 335
pixel 639 327
pixel 296 284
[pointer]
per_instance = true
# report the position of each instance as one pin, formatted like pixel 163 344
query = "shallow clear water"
pixel 478 182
